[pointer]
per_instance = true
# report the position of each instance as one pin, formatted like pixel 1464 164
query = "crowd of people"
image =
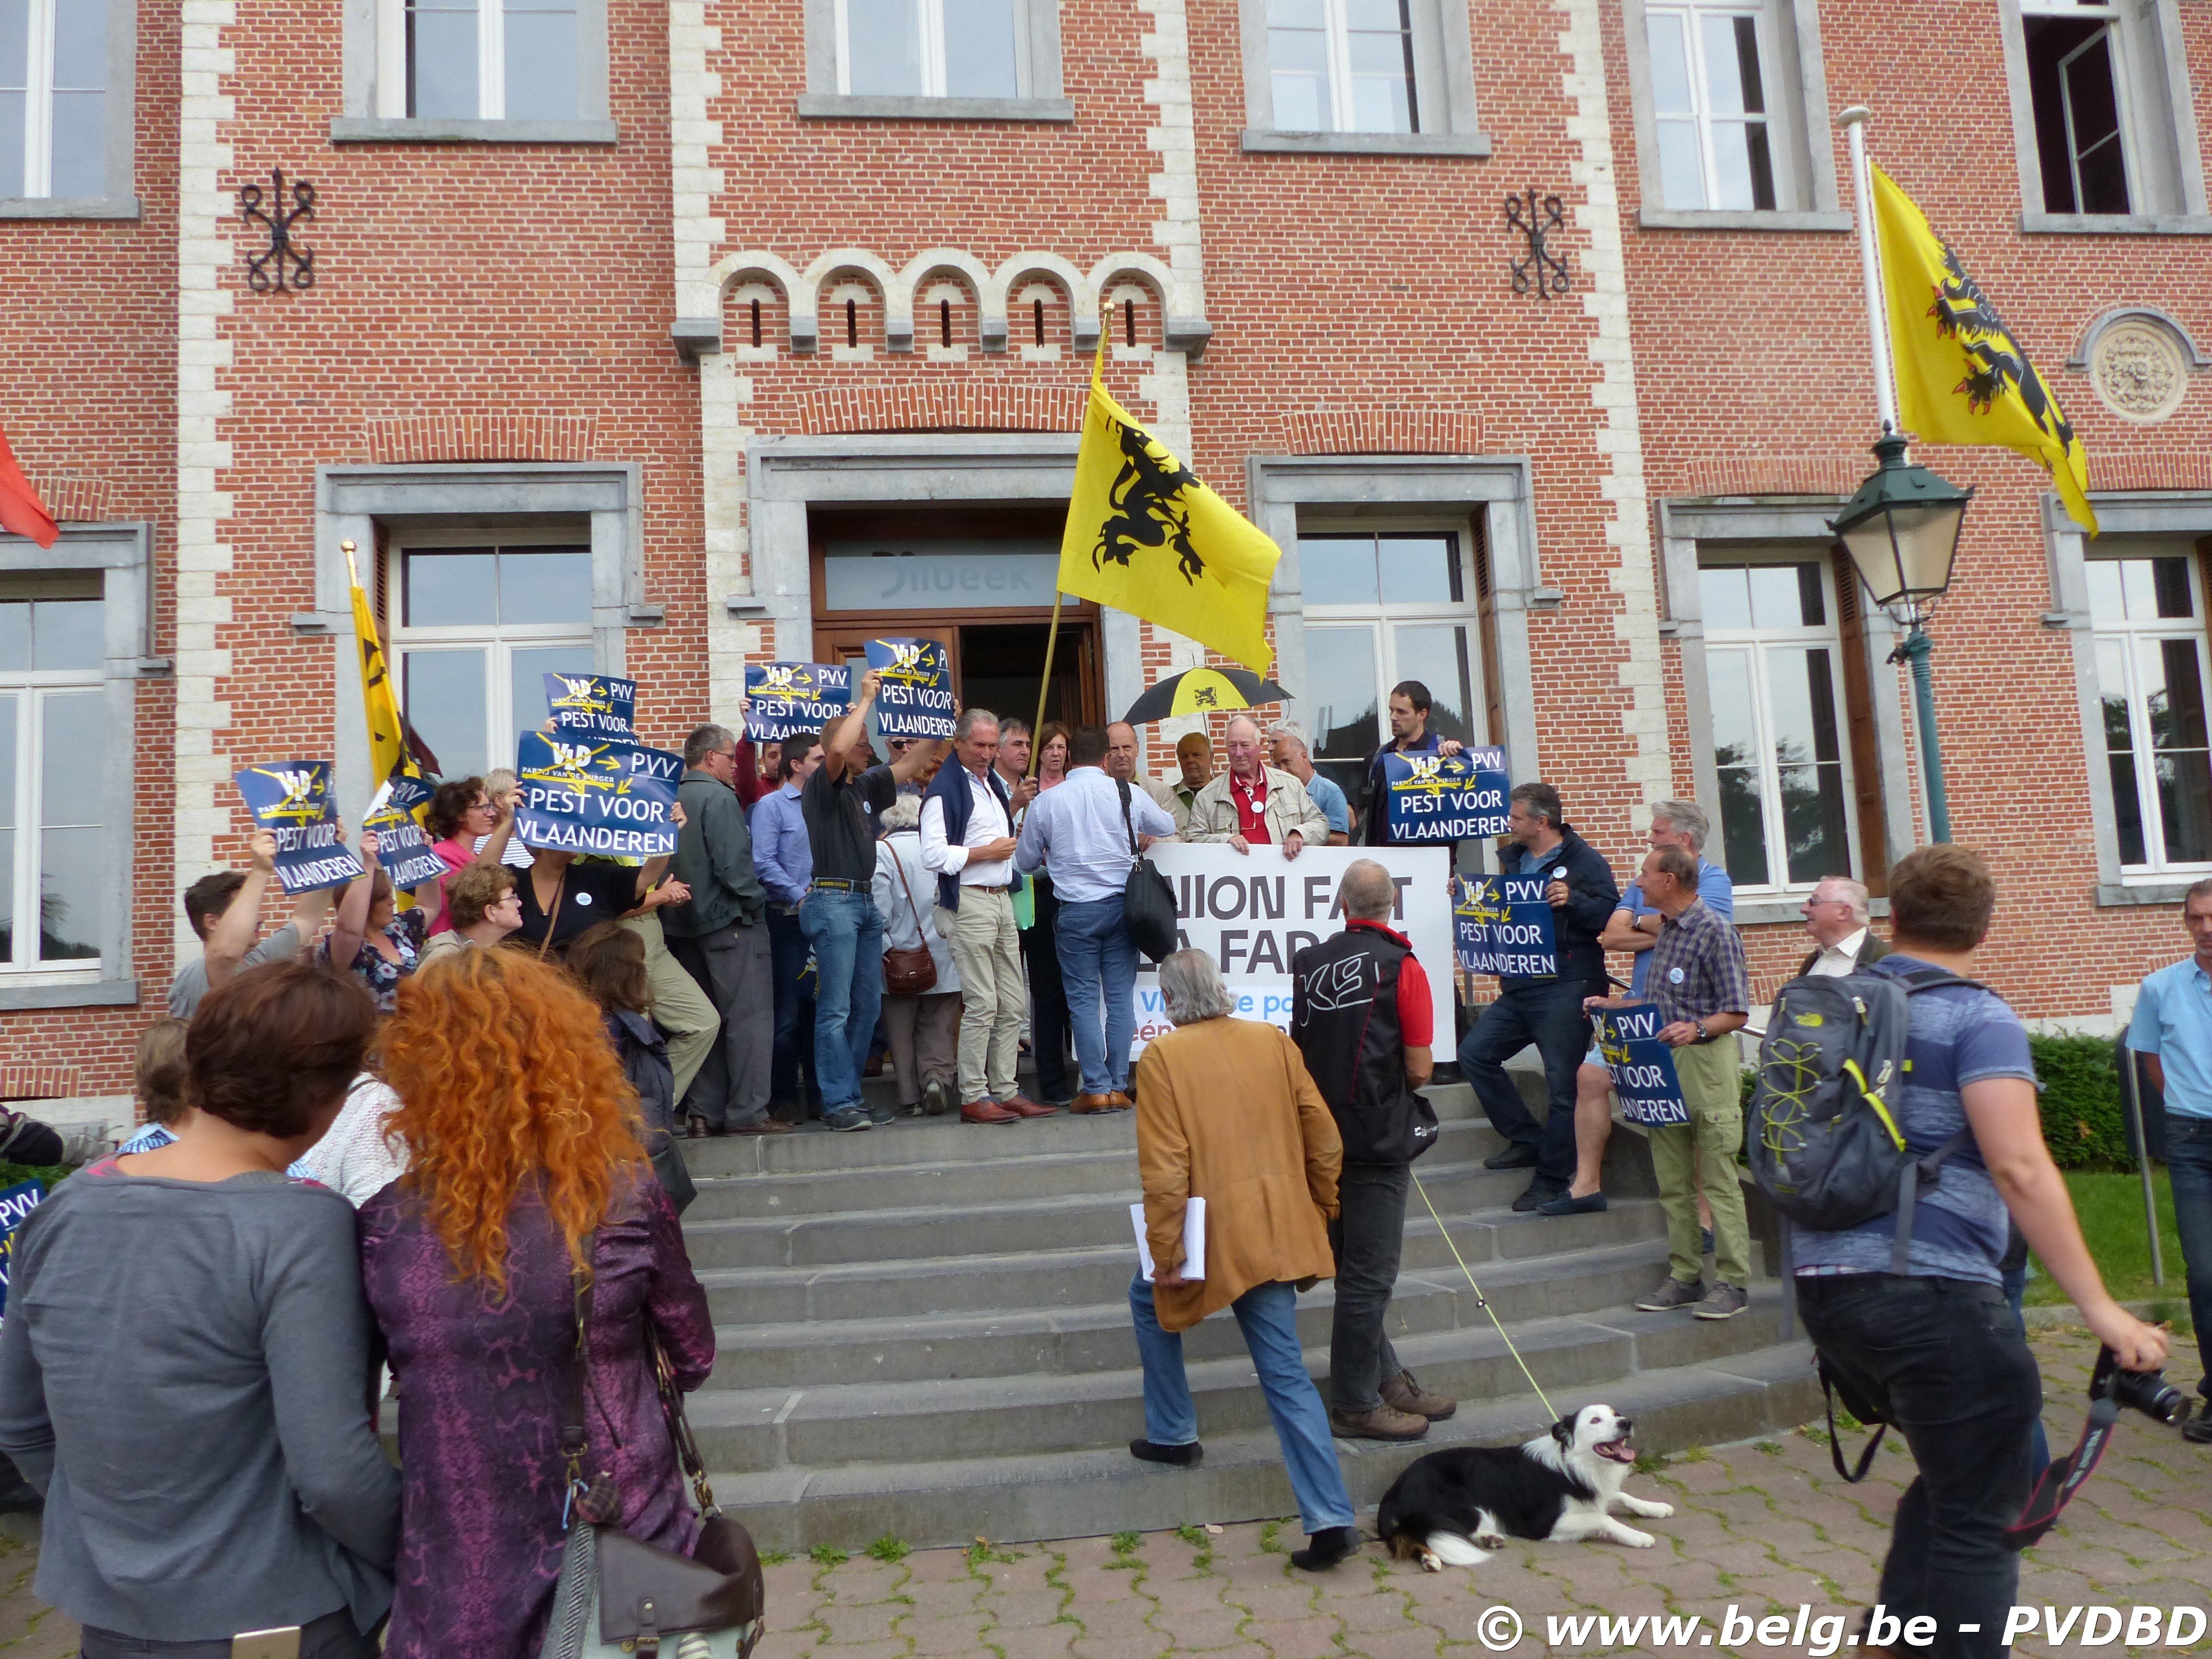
pixel 436 1144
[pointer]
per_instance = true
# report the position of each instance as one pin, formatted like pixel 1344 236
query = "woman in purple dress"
pixel 524 1160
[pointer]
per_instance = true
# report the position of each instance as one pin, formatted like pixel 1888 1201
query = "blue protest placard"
pixel 600 706
pixel 1643 1067
pixel 610 798
pixel 783 699
pixel 291 799
pixel 1459 797
pixel 916 697
pixel 17 1202
pixel 1503 925
pixel 401 847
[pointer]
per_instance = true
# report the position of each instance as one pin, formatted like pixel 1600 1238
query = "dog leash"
pixel 1480 1300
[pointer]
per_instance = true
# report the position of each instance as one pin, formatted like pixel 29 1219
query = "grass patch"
pixel 1268 1533
pixel 1125 1543
pixel 2110 1205
pixel 1696 1455
pixel 1651 1462
pixel 774 1558
pixel 827 1555
pixel 891 1547
pixel 1193 1534
pixel 1768 1448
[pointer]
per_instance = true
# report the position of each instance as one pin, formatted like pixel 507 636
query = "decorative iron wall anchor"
pixel 284 261
pixel 1536 217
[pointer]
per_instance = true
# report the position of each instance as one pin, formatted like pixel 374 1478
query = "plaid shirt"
pixel 1697 967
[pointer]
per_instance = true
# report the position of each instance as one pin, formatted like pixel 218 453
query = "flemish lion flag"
pixel 1961 377
pixel 1144 536
pixel 21 512
pixel 393 750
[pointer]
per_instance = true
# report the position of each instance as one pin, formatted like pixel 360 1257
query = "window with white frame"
pixel 930 48
pixel 53 98
pixel 53 750
pixel 2148 618
pixel 475 625
pixel 2077 83
pixel 1342 66
pixel 1709 104
pixel 491 60
pixel 1774 668
pixel 1383 606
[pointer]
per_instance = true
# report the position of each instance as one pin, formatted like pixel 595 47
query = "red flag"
pixel 21 512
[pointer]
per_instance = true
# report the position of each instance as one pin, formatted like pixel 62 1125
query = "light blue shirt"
pixel 2174 1020
pixel 1714 887
pixel 1330 799
pixel 783 856
pixel 1075 834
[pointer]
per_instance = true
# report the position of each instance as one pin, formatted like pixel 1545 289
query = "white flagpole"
pixel 1853 121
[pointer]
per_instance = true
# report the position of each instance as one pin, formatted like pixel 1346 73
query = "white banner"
pixel 1254 911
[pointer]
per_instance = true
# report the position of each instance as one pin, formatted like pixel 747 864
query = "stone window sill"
pixel 69 207
pixel 1260 142
pixel 857 107
pixel 2124 894
pixel 1786 907
pixel 1751 219
pixel 71 993
pixel 2117 224
pixel 400 130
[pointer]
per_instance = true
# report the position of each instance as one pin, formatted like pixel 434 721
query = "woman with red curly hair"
pixel 526 1169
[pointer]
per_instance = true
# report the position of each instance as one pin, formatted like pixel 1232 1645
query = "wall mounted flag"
pixel 1961 377
pixel 21 512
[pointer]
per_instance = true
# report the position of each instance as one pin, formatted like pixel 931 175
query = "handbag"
pixel 617 1597
pixel 1148 899
pixel 909 970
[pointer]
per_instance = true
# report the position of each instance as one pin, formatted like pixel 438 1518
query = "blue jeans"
pixel 846 933
pixel 2189 1166
pixel 1548 1013
pixel 1268 1316
pixel 1097 958
pixel 794 1012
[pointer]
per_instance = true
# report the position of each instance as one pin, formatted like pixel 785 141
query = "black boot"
pixel 1182 1457
pixel 1326 1549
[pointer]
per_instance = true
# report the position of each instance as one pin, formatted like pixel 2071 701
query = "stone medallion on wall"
pixel 2139 370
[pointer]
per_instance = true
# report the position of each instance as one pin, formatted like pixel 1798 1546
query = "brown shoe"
pixel 1384 1422
pixel 1094 1103
pixel 1121 1101
pixel 987 1111
pixel 1401 1394
pixel 1022 1106
pixel 766 1126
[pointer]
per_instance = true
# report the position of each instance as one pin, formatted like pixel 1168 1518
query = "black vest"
pixel 1344 1019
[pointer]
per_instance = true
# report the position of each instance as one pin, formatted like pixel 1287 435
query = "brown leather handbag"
pixel 910 971
pixel 617 1596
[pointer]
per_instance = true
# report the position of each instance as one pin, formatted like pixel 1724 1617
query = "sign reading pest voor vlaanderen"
pixel 291 799
pixel 16 1203
pixel 916 699
pixel 1503 925
pixel 602 705
pixel 612 799
pixel 1643 1067
pixel 1459 797
pixel 783 699
pixel 402 848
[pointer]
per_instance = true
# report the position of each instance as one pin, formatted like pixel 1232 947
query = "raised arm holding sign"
pixel 291 799
pixel 602 706
pixel 783 699
pixel 1445 798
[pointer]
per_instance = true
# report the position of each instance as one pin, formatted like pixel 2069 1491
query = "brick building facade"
pixel 659 335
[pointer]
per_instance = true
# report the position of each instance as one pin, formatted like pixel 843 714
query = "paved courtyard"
pixel 1763 1528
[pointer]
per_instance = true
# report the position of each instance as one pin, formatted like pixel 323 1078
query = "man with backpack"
pixel 1897 1105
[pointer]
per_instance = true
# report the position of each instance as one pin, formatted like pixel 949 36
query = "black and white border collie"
pixel 1451 1508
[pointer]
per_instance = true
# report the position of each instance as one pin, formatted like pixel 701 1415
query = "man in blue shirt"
pixel 1635 927
pixel 2172 1031
pixel 785 862
pixel 1286 741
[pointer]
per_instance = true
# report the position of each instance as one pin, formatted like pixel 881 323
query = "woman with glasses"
pixel 459 816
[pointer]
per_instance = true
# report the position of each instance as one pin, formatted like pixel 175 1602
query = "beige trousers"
pixel 986 949
pixel 680 1008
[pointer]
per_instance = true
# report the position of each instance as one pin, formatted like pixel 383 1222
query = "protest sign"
pixel 599 706
pixel 610 798
pixel 1643 1067
pixel 783 699
pixel 291 799
pixel 916 699
pixel 17 1202
pixel 1254 911
pixel 401 847
pixel 1459 797
pixel 1503 925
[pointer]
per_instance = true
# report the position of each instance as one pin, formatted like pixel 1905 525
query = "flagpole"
pixel 1854 121
pixel 1052 638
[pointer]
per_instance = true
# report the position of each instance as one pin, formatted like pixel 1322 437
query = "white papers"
pixel 1194 1239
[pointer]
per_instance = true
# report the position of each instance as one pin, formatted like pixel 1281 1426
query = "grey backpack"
pixel 1824 1143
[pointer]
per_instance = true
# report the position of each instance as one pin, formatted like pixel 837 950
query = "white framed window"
pixel 1774 670
pixel 2078 84
pixel 1382 606
pixel 1710 65
pixel 475 623
pixel 2147 617
pixel 1343 66
pixel 54 746
pixel 931 49
pixel 487 60
pixel 54 74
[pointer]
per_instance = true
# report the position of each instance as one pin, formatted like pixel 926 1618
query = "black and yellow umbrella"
pixel 1202 691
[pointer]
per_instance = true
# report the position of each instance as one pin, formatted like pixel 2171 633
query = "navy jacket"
pixel 950 786
pixel 1592 899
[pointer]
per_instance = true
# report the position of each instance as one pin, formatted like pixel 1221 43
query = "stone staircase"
pixel 925 1332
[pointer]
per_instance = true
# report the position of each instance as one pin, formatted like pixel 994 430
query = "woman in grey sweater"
pixel 185 1366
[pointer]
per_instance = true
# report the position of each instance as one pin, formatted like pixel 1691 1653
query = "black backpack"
pixel 1823 1136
